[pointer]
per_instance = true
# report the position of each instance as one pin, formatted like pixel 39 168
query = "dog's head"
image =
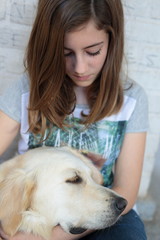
pixel 50 186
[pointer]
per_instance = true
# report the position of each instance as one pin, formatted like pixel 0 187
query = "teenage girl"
pixel 73 93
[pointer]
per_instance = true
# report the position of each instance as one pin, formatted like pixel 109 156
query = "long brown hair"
pixel 51 93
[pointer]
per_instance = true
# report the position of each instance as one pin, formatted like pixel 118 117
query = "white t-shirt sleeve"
pixel 10 99
pixel 138 121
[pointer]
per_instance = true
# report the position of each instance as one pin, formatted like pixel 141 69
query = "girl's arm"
pixel 128 169
pixel 57 234
pixel 8 130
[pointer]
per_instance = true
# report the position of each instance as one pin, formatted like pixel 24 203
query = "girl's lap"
pixel 128 227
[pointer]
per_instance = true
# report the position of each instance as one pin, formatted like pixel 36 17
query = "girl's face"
pixel 85 51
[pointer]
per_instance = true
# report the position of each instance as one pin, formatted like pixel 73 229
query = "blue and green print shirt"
pixel 104 137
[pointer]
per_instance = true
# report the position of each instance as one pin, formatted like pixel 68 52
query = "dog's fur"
pixel 49 186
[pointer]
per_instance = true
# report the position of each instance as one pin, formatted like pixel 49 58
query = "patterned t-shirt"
pixel 104 137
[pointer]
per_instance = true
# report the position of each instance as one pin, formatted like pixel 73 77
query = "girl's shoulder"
pixel 11 98
pixel 134 90
pixel 23 83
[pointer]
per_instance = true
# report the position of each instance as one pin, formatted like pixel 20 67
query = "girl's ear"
pixel 15 197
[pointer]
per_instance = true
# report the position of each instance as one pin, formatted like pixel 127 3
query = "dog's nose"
pixel 120 204
pixel 77 230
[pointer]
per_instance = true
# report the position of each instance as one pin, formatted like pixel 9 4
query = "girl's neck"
pixel 81 95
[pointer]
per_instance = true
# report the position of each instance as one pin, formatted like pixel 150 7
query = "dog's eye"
pixel 76 179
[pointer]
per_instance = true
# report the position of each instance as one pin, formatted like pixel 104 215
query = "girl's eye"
pixel 68 54
pixel 89 53
pixel 94 53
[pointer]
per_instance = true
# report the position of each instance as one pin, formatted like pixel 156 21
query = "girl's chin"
pixel 83 83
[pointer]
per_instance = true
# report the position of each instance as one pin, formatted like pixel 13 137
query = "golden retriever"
pixel 49 186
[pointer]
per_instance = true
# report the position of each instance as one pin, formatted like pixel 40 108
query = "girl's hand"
pixel 19 236
pixel 3 235
pixel 97 159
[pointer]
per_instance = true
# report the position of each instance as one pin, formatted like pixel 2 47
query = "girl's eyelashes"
pixel 94 53
pixel 68 54
pixel 89 53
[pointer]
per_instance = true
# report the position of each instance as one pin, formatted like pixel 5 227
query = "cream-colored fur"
pixel 49 186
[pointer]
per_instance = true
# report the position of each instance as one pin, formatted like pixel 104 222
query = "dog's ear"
pixel 8 166
pixel 96 175
pixel 15 197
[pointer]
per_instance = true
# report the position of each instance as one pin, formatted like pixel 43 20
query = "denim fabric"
pixel 128 227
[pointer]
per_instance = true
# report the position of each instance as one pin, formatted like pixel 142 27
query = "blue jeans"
pixel 128 227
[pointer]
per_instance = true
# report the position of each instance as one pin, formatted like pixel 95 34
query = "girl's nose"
pixel 80 65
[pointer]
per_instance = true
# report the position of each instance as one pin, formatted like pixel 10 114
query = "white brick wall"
pixel 143 55
pixel 142 52
pixel 16 17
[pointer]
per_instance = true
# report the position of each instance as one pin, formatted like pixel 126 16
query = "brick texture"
pixel 142 47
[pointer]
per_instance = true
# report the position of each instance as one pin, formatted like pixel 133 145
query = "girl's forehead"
pixel 85 34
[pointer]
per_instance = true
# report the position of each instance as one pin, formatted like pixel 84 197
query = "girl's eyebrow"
pixel 90 46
